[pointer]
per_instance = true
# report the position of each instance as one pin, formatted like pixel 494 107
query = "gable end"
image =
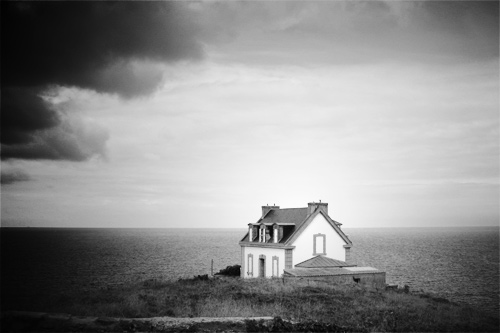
pixel 308 221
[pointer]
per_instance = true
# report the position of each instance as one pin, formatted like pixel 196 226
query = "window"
pixel 319 244
pixel 276 266
pixel 262 234
pixel 250 265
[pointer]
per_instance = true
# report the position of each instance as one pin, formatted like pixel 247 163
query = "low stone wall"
pixel 366 279
pixel 20 321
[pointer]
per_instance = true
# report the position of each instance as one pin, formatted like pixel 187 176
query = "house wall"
pixel 269 253
pixel 304 244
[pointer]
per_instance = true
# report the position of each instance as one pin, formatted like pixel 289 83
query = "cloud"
pixel 109 47
pixel 74 139
pixel 354 32
pixel 13 175
pixel 68 43
pixel 23 112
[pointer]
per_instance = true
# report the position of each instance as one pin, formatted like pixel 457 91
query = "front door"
pixel 262 267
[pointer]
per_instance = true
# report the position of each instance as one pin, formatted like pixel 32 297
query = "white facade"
pixel 262 262
pixel 318 238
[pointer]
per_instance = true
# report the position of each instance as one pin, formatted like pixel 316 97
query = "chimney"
pixel 311 207
pixel 348 258
pixel 267 208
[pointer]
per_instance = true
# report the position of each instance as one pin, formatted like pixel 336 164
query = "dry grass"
pixel 350 307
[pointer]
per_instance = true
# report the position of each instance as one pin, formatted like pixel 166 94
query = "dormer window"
pixel 275 233
pixel 262 234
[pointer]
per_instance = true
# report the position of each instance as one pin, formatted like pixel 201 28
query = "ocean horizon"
pixel 457 263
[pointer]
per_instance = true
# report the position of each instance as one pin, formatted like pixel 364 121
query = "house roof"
pixel 287 215
pixel 322 262
pixel 332 271
pixel 295 220
pixel 271 224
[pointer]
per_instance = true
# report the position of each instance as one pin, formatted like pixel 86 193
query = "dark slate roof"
pixel 245 239
pixel 287 232
pixel 305 272
pixel 286 215
pixel 322 262
pixel 293 219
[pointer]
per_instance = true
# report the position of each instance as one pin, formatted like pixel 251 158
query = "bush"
pixel 230 271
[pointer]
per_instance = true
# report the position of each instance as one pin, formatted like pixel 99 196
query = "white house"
pixel 293 239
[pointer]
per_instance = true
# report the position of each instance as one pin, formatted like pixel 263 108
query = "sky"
pixel 195 114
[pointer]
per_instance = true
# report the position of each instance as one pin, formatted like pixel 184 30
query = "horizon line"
pixel 244 228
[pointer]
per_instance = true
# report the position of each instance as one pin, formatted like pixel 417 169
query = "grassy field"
pixel 350 308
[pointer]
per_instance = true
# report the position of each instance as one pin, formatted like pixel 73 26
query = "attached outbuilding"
pixel 364 276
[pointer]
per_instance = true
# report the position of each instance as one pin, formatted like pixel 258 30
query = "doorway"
pixel 262 267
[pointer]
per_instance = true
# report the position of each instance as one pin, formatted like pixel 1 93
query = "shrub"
pixel 230 271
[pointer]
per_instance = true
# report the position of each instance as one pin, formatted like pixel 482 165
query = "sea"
pixel 459 264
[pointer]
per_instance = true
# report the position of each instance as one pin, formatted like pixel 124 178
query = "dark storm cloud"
pixel 24 112
pixel 72 139
pixel 68 43
pixel 102 46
